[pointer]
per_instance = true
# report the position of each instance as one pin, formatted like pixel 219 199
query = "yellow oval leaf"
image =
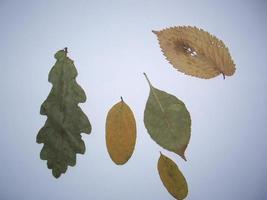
pixel 120 133
pixel 195 52
pixel 172 178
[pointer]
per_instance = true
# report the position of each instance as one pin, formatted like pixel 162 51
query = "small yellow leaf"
pixel 195 52
pixel 172 178
pixel 120 133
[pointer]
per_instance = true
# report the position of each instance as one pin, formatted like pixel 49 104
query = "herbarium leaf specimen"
pixel 120 132
pixel 172 178
pixel 167 120
pixel 61 133
pixel 195 52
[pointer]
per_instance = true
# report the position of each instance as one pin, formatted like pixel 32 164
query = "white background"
pixel 112 44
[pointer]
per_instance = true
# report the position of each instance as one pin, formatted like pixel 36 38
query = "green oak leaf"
pixel 167 120
pixel 61 134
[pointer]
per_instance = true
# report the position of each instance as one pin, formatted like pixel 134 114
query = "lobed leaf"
pixel 61 134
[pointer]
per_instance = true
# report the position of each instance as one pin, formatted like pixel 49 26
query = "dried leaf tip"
pixel 147 80
pixel 155 32
pixel 181 153
pixel 183 157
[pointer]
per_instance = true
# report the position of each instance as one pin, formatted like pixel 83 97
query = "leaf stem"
pixel 122 99
pixel 223 75
pixel 154 94
pixel 148 80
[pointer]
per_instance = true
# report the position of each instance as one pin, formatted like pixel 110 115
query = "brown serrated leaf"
pixel 120 133
pixel 195 52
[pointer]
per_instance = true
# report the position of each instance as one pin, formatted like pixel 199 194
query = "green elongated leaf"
pixel 167 120
pixel 172 178
pixel 61 133
pixel 120 133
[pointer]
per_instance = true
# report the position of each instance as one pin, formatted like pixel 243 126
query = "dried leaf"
pixel 167 121
pixel 65 119
pixel 195 52
pixel 120 133
pixel 172 178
